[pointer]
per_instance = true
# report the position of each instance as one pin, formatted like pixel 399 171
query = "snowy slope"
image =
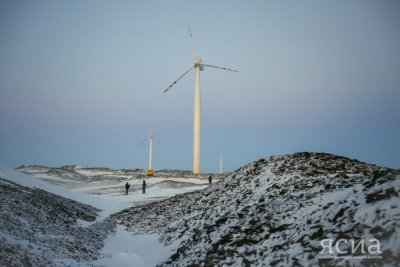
pixel 276 212
pixel 42 223
pixel 108 183
pixel 106 206
pixel 38 228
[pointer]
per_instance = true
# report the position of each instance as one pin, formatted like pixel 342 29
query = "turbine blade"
pixel 193 44
pixel 212 66
pixel 180 77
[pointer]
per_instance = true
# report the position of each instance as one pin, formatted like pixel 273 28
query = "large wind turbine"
pixel 198 66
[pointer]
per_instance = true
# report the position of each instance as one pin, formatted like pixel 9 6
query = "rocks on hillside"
pixel 39 228
pixel 276 211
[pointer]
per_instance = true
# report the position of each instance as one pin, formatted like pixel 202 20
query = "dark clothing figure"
pixel 210 179
pixel 127 185
pixel 144 187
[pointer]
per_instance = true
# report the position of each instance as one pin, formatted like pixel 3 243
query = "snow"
pixel 276 211
pixel 22 179
pixel 120 249
pixel 272 212
pixel 126 249
pixel 107 206
pixel 155 180
pixel 94 172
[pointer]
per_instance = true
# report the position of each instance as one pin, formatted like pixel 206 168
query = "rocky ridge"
pixel 39 228
pixel 276 211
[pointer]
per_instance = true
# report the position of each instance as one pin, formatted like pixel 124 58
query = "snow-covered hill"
pixel 59 216
pixel 278 210
pixel 110 182
pixel 39 228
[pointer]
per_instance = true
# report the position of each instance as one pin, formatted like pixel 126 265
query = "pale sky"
pixel 81 82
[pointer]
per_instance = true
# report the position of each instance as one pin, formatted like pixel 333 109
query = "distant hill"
pixel 78 173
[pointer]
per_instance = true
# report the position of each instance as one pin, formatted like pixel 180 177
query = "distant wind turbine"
pixel 198 65
pixel 150 170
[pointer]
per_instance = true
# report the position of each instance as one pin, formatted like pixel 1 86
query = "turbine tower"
pixel 150 170
pixel 198 66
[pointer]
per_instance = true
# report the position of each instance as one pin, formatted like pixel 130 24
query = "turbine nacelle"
pixel 197 61
pixel 197 64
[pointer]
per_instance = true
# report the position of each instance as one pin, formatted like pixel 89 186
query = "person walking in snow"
pixel 210 179
pixel 127 185
pixel 144 187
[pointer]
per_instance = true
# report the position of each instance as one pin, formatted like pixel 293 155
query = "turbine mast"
pixel 150 170
pixel 196 119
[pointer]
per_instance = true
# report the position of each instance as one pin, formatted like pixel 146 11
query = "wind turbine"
pixel 150 170
pixel 198 66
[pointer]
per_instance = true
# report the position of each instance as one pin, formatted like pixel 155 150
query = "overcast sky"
pixel 81 82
